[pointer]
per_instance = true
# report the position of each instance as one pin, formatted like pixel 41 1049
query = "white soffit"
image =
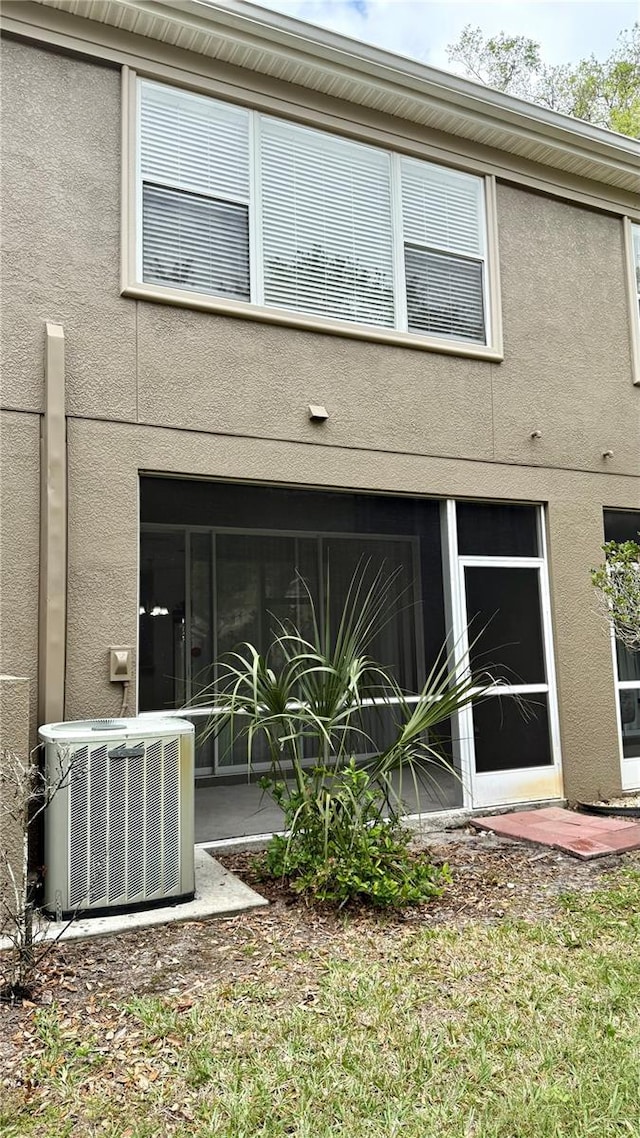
pixel 291 50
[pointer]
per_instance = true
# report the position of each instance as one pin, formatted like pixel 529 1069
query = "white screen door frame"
pixel 525 784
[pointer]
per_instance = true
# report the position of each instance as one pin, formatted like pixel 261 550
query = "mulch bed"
pixel 493 879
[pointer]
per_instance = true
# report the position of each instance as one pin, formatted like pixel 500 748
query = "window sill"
pixel 237 308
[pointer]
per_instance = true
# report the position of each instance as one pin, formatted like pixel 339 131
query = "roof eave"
pixel 274 44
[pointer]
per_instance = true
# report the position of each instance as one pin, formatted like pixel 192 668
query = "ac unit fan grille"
pixel 124 824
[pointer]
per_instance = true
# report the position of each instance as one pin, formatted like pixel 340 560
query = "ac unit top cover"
pixel 101 730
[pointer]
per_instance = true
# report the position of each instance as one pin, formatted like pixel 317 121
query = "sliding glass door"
pixel 206 592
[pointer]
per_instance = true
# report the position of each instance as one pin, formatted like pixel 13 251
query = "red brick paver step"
pixel 583 835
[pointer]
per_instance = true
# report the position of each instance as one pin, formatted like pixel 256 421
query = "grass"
pixel 489 1031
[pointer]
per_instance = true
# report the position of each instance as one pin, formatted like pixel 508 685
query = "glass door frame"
pixel 525 784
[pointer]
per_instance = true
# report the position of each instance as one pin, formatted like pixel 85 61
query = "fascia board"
pixel 379 64
pixel 280 46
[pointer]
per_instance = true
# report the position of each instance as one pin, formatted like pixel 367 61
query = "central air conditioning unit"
pixel 119 820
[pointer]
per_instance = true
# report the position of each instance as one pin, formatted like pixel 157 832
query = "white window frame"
pixel 132 284
pixel 399 239
pixel 629 768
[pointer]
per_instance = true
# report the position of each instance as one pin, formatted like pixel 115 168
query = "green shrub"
pixel 340 848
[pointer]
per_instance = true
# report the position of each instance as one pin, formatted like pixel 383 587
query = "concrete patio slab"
pixel 219 893
pixel 242 810
pixel 583 835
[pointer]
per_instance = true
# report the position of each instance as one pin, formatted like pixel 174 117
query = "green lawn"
pixel 488 1031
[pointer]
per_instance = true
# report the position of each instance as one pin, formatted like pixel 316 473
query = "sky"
pixel 568 30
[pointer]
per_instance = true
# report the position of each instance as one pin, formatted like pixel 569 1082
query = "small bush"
pixel 305 705
pixel 340 848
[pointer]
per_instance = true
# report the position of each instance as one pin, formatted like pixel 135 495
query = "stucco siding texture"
pixel 102 552
pixel 105 460
pixel 567 368
pixel 567 365
pixel 582 644
pixel 247 378
pixel 61 231
pixel 19 548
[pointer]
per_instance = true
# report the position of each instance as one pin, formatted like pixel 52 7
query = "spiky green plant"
pixel 307 701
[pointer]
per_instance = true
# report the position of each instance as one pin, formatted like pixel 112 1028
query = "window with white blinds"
pixel 327 242
pixel 194 166
pixel 443 232
pixel 240 205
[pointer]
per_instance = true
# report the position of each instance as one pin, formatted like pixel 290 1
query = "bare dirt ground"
pixel 493 879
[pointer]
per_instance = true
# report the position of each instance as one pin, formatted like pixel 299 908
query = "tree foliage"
pixel 604 92
pixel 617 582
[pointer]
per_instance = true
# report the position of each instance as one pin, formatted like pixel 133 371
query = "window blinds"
pixel 444 295
pixel 242 205
pixel 442 209
pixel 326 225
pixel 443 229
pixel 194 142
pixel 195 242
pixel 194 159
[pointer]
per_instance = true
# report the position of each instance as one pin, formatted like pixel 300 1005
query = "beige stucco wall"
pixel 567 367
pixel 60 124
pixel 156 388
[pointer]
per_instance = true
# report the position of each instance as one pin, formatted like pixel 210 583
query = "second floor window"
pixel 243 206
